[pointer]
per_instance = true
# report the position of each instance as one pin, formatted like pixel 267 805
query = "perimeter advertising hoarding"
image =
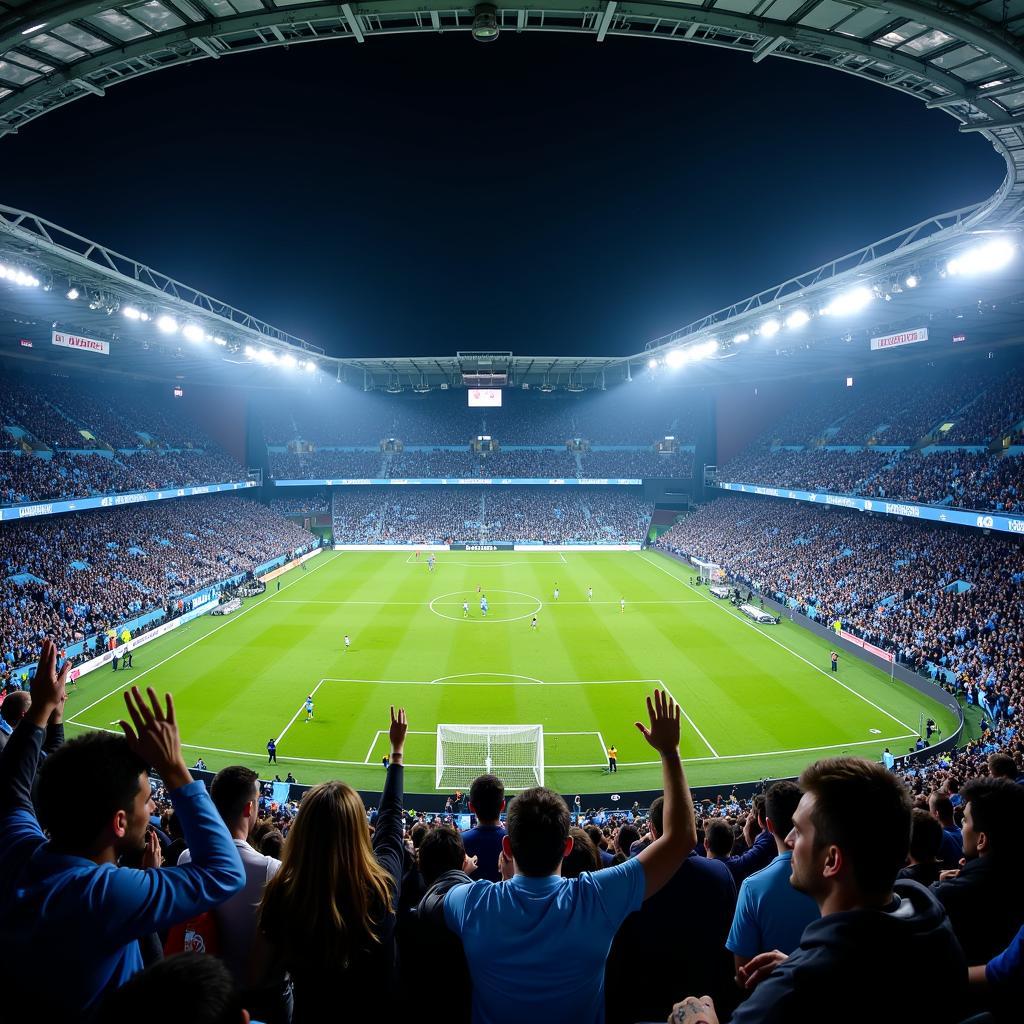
pixel 32 510
pixel 471 481
pixel 903 338
pixel 930 513
pixel 82 344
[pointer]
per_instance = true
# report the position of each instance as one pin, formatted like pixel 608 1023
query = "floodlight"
pixel 73 294
pixel 143 316
pixel 675 358
pixel 310 366
pixel 983 259
pixel 705 350
pixel 250 351
pixel 911 281
pixel 167 324
pixel 192 332
pixel 288 361
pixel 741 337
pixel 3 271
pixel 652 363
pixel 485 23
pixel 219 341
pixel 770 328
pixel 132 313
pixel 798 318
pixel 852 301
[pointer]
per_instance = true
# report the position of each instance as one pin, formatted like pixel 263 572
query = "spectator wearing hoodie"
pixel 985 897
pixel 874 933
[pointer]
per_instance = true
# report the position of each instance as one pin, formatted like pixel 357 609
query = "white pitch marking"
pixel 234 618
pixel 689 719
pixel 291 721
pixel 779 643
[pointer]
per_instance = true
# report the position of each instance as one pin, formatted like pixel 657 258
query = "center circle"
pixel 447 608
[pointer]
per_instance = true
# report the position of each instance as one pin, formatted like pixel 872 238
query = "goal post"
pixel 515 753
pixel 711 572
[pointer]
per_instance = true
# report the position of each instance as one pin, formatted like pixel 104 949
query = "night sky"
pixel 544 194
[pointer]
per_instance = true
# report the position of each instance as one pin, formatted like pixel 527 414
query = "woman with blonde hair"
pixel 328 916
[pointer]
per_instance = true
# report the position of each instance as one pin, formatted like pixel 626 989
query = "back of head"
pixel 418 834
pixel 925 837
pixel 486 796
pixel 628 835
pixel 440 851
pixel 582 857
pixel 718 838
pixel 232 789
pixel 83 784
pixel 780 802
pixel 657 816
pixel 272 844
pixel 596 836
pixel 941 806
pixel 192 987
pixel 15 707
pixel 864 810
pixel 330 893
pixel 1000 765
pixel 538 826
pixel 996 808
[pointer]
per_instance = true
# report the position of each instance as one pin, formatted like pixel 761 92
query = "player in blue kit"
pixel 309 708
pixel 483 605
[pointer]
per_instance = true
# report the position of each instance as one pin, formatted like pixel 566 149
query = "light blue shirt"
pixel 537 947
pixel 770 913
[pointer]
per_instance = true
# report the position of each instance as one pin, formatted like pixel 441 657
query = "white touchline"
pixel 235 618
pixel 297 713
pixel 779 643
pixel 604 749
pixel 373 743
pixel 689 719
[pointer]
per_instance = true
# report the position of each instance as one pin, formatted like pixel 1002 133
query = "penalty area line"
pixel 689 719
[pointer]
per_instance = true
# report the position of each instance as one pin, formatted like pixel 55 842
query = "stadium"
pixel 330 671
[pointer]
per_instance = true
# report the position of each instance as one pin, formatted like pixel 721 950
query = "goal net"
pixel 709 571
pixel 515 753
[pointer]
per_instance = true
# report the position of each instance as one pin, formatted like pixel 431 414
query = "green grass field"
pixel 757 701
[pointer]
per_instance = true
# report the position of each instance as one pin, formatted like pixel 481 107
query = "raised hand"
pixel 153 735
pixel 663 731
pixel 694 1011
pixel 152 856
pixel 399 727
pixel 48 685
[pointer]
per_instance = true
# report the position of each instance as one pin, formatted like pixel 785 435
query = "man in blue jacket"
pixel 73 914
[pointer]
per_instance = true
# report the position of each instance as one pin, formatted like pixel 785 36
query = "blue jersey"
pixel 309 705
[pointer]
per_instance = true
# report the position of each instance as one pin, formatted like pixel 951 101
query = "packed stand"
pixel 357 514
pixel 79 574
pixel 327 464
pixel 318 504
pixel 635 464
pixel 817 895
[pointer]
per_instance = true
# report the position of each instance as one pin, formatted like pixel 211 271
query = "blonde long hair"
pixel 330 895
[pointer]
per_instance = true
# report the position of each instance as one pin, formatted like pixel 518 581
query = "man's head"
pixel 538 832
pixel 757 809
pixel 15 707
pixel 925 837
pixel 1000 766
pixel 487 799
pixel 596 836
pixel 780 803
pixel 112 820
pixel 627 836
pixel 656 817
pixel 993 818
pixel 941 809
pixel 851 831
pixel 718 839
pixel 235 792
pixel 440 851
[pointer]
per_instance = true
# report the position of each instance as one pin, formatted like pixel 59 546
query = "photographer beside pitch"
pixel 537 945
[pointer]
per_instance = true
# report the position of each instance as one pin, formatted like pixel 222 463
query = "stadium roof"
pixel 963 58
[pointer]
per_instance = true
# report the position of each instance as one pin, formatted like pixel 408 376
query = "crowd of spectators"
pixel 327 464
pixel 437 515
pixel 814 901
pixel 74 576
pixel 318 504
pixel 63 475
pixel 899 585
pixel 960 477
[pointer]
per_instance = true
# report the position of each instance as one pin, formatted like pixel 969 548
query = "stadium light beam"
pixel 166 324
pixel 652 363
pixel 849 302
pixel 770 328
pixel 132 313
pixel 288 361
pixel 675 358
pixel 73 294
pixel 741 337
pixel 192 332
pixel 310 366
pixel 912 281
pixel 983 259
pixel 797 319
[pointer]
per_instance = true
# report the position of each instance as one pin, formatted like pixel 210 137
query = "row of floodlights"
pixel 16 276
pixel 982 259
pixel 285 359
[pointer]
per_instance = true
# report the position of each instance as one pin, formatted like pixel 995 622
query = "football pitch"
pixel 757 701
